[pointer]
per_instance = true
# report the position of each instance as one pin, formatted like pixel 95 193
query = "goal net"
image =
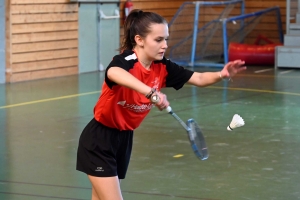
pixel 201 31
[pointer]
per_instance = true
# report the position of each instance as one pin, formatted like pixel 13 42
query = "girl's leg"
pixel 94 194
pixel 105 188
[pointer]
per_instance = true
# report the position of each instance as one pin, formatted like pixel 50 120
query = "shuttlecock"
pixel 237 121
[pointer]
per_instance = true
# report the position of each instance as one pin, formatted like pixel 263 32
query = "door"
pixel 109 33
pixel 99 34
pixel 87 36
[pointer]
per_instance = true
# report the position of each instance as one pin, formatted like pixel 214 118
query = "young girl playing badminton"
pixel 132 79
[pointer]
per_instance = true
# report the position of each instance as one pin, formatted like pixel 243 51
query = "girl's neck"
pixel 145 62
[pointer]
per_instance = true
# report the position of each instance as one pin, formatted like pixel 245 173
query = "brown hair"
pixel 138 23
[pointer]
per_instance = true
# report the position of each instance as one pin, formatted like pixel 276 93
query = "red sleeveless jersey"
pixel 124 109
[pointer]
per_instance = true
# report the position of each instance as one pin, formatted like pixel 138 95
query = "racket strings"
pixel 197 140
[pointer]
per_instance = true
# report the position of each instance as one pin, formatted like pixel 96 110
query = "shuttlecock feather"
pixel 237 121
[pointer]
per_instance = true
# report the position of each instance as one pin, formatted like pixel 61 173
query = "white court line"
pixel 285 72
pixel 263 70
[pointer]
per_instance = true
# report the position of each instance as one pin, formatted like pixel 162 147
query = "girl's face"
pixel 155 43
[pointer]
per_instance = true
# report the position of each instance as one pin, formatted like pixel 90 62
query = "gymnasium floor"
pixel 40 123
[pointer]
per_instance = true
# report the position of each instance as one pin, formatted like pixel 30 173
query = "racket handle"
pixel 169 109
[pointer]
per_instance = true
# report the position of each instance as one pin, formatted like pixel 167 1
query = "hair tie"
pixel 140 13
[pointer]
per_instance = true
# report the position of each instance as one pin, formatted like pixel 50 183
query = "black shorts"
pixel 104 151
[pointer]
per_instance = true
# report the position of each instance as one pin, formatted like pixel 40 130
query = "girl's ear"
pixel 139 40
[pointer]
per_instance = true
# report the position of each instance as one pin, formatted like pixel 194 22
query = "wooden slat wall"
pixel 8 39
pixel 42 35
pixel 42 39
pixel 168 8
pixel 268 27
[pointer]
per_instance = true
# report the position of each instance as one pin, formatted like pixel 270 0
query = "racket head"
pixel 197 139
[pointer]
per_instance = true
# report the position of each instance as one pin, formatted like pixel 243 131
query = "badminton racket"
pixel 195 135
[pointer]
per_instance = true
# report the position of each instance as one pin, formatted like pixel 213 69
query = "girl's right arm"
pixel 124 78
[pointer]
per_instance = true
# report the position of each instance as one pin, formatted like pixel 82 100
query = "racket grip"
pixel 169 109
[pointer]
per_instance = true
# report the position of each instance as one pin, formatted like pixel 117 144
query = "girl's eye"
pixel 159 40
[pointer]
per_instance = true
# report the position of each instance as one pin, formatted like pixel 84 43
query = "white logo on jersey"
pixel 135 107
pixel 155 82
pixel 122 103
pixel 131 57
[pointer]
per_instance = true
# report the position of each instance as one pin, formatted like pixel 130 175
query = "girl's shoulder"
pixel 127 55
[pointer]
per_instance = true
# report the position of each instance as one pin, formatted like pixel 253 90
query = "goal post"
pixel 201 31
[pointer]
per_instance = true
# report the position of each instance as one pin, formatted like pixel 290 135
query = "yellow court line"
pixel 50 99
pixel 256 90
pixel 95 92
pixel 266 76
pixel 250 90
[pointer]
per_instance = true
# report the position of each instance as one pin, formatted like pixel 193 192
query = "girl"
pixel 132 85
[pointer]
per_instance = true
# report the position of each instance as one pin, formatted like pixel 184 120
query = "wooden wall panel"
pixel 44 17
pixel 166 8
pixel 267 27
pixel 38 74
pixel 43 39
pixel 43 8
pixel 257 5
pixel 44 46
pixel 42 35
pixel 46 36
pixel 44 64
pixel 8 39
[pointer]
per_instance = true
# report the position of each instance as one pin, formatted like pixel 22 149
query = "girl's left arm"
pixel 208 78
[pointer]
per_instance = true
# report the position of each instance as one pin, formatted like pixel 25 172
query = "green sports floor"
pixel 40 123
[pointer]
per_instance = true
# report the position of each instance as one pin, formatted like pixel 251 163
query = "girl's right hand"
pixel 160 100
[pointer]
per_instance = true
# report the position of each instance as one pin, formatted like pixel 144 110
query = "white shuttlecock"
pixel 237 121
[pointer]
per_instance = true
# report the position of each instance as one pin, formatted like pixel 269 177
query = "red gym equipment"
pixel 254 54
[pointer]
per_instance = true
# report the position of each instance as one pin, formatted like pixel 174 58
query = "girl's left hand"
pixel 232 68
